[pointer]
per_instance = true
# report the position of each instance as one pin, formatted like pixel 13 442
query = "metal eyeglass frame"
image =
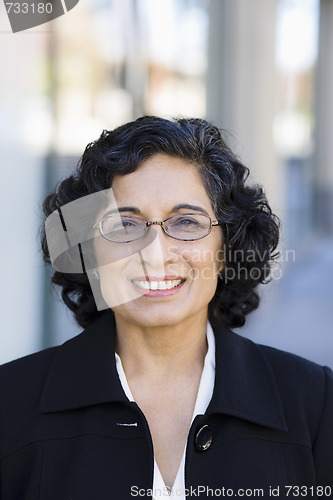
pixel 213 223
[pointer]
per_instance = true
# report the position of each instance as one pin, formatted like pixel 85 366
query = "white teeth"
pixel 158 285
pixel 143 284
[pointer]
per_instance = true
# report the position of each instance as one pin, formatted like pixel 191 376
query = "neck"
pixel 162 349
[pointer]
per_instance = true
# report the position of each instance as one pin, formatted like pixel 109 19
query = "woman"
pixel 159 244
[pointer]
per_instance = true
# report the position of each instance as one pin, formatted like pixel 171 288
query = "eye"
pixel 186 221
pixel 116 223
pixel 128 222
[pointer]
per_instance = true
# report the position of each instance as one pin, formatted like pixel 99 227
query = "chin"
pixel 166 316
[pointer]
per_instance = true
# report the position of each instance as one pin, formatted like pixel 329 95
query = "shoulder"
pixel 291 371
pixel 295 372
pixel 306 388
pixel 300 390
pixel 30 365
pixel 21 380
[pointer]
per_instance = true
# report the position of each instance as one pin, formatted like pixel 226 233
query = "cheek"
pixel 115 288
pixel 110 282
pixel 205 263
pixel 204 275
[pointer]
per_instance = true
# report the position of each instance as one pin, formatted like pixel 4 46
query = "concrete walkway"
pixel 296 312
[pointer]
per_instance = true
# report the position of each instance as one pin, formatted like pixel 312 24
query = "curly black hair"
pixel 250 229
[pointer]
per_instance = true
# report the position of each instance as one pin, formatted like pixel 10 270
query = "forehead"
pixel 162 179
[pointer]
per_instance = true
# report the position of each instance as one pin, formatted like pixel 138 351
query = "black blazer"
pixel 68 432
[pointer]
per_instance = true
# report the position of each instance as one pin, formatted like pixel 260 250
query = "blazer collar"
pixel 245 384
pixel 83 373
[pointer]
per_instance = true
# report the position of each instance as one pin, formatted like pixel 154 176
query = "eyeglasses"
pixel 125 228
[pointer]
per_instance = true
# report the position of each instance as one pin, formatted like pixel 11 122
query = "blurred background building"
pixel 261 70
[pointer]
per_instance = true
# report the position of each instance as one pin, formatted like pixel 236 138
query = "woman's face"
pixel 184 272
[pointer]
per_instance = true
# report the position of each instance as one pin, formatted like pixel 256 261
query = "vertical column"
pixel 241 84
pixel 323 157
pixel 21 166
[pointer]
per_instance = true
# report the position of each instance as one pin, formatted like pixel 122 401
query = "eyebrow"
pixel 135 210
pixel 122 209
pixel 189 207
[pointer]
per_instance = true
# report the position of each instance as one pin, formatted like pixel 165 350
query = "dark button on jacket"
pixel 68 432
pixel 204 438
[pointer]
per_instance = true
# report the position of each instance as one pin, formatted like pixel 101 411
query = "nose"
pixel 157 253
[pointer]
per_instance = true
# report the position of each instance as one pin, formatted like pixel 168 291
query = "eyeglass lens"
pixel 125 228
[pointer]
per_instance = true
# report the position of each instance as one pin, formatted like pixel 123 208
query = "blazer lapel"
pixel 245 385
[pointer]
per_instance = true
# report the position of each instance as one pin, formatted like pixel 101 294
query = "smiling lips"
pixel 159 287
